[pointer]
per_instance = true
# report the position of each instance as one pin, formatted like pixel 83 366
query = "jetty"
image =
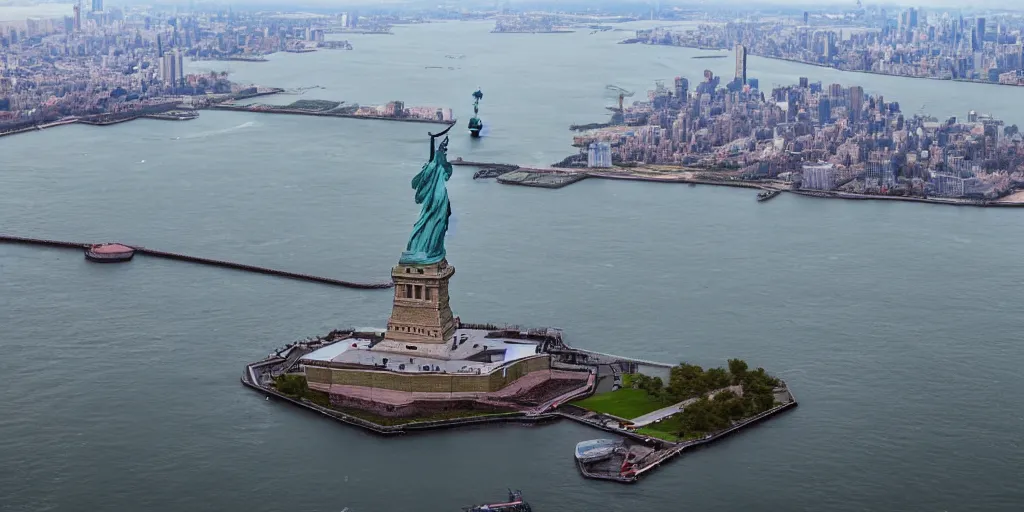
pixel 198 260
pixel 269 109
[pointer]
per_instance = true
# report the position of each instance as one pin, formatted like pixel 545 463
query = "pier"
pixel 264 109
pixel 202 261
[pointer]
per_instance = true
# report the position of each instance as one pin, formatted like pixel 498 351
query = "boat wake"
pixel 211 133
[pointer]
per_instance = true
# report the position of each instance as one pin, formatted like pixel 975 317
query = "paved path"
pixel 661 414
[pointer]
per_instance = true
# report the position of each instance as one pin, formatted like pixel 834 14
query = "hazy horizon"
pixel 691 4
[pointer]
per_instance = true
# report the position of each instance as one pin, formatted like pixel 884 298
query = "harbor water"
pixel 895 324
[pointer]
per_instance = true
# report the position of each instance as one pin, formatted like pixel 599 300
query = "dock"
pixel 202 261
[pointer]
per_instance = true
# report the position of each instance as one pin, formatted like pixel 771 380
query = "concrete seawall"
pixel 249 379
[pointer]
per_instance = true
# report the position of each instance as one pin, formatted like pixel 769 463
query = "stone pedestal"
pixel 420 314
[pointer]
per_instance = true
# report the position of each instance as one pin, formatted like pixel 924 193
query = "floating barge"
pixel 109 253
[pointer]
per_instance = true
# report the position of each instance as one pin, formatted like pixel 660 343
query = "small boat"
pixel 109 253
pixel 475 125
pixel 596 450
pixel 515 503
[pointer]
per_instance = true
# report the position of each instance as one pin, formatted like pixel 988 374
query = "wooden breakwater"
pixel 203 261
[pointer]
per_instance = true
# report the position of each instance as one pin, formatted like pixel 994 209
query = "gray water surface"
pixel 895 324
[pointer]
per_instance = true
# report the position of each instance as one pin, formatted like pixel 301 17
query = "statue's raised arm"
pixel 426 244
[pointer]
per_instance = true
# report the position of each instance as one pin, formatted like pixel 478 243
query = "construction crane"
pixel 622 93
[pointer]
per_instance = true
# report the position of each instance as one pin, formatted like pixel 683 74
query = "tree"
pixel 738 368
pixel 686 381
pixel 716 378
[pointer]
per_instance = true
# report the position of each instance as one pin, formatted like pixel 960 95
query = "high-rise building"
pixel 824 111
pixel 856 102
pixel 682 88
pixel 599 154
pixel 818 177
pixel 979 33
pixel 160 45
pixel 78 18
pixel 97 5
pixel 807 17
pixel 741 63
pixel 179 68
pixel 172 69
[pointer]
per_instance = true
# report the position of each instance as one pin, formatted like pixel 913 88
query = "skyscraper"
pixel 741 63
pixel 180 68
pixel 980 31
pixel 682 88
pixel 172 69
pixel 807 17
pixel 856 102
pixel 97 5
pixel 78 18
pixel 824 111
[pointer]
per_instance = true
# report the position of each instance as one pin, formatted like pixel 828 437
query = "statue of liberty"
pixel 426 244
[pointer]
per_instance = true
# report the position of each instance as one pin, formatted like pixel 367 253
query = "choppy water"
pixel 896 324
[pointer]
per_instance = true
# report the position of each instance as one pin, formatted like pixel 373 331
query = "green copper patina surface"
pixel 426 244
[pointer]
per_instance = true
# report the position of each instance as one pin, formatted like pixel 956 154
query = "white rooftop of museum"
pixel 470 342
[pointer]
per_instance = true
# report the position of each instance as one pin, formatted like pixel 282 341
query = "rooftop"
pixel 474 352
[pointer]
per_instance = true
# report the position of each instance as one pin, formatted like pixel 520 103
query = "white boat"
pixel 596 449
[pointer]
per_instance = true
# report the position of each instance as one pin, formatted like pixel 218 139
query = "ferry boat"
pixel 515 503
pixel 109 253
pixel 475 125
pixel 596 450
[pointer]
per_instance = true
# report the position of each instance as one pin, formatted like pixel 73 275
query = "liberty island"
pixel 430 370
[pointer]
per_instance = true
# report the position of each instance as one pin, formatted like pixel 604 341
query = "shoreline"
pixel 258 375
pixel 627 176
pixel 826 66
pixel 680 448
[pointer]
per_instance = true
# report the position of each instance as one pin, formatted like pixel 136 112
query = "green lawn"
pixel 667 429
pixel 624 403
